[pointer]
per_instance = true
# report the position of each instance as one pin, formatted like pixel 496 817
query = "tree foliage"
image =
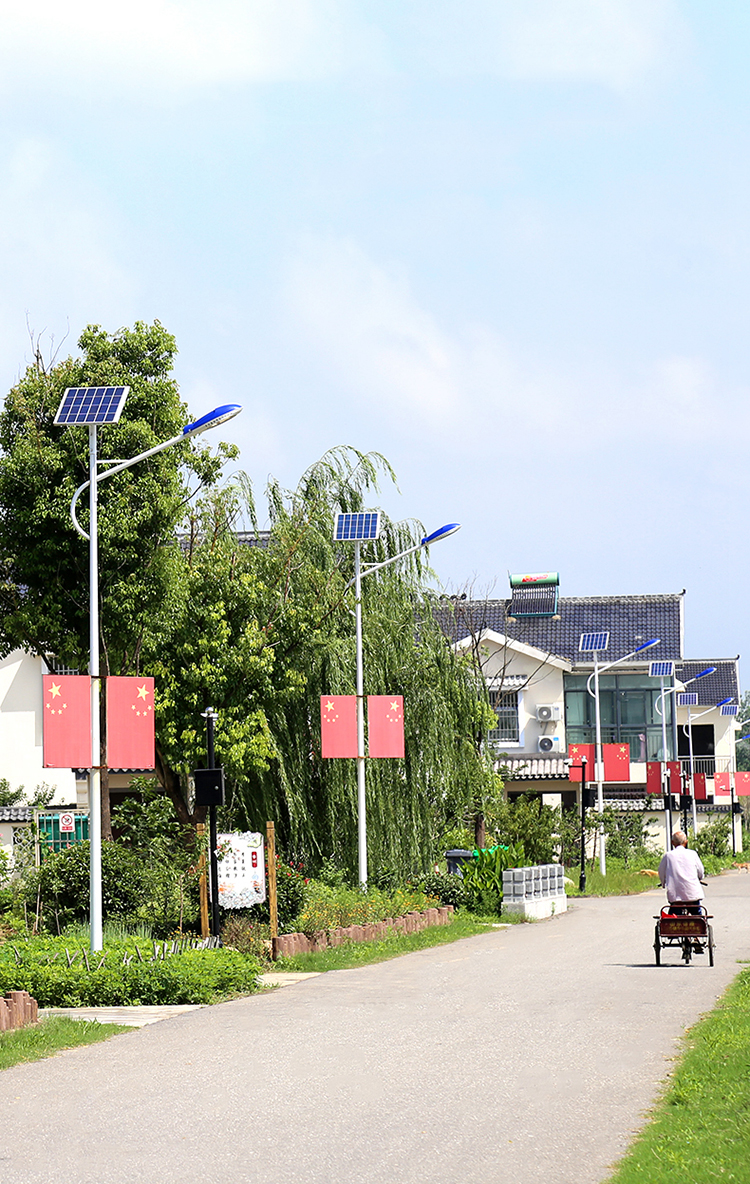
pixel 258 632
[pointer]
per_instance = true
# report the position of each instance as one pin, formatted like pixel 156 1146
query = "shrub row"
pixel 197 976
pixel 326 908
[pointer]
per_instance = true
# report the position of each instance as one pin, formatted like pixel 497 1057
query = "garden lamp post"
pixel 91 407
pixel 596 643
pixel 359 528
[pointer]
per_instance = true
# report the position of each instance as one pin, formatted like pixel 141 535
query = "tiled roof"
pixel 630 620
pixel 16 813
pixel 724 684
pixel 530 766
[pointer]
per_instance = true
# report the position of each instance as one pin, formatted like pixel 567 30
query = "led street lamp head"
pixel 212 419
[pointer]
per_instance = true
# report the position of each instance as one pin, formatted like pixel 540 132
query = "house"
pixel 528 648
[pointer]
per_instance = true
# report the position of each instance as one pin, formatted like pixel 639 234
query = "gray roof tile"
pixel 724 684
pixel 630 620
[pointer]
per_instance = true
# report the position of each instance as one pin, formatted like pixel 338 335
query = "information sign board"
pixel 242 875
pixel 67 824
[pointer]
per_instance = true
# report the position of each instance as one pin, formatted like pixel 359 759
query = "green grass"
pixel 50 1036
pixel 619 880
pixel 366 952
pixel 700 1130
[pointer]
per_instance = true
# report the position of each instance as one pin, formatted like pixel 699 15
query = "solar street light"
pixel 91 407
pixel 659 707
pixel 594 644
pixel 359 528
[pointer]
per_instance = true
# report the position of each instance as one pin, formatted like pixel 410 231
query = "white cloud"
pixel 167 44
pixel 465 385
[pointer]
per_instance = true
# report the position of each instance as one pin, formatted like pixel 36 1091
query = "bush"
pixel 483 876
pixel 197 976
pixel 290 892
pixel 447 889
pixel 332 908
pixel 712 840
pixel 249 937
pixel 61 885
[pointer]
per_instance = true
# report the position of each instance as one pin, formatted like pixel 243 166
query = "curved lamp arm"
pixel 211 420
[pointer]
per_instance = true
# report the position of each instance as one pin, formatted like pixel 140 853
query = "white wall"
pixel 21 730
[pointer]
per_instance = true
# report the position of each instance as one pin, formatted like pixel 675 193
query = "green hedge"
pixel 197 976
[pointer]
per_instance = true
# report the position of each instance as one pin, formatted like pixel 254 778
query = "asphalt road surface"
pixel 527 1054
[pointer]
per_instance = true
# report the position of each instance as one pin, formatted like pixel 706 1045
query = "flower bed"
pixel 301 943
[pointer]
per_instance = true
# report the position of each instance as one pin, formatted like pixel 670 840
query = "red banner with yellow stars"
pixel 66 728
pixel 385 725
pixel 130 723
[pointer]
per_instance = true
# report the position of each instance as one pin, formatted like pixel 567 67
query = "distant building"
pixel 528 650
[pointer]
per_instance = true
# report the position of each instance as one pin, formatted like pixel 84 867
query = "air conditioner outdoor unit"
pixel 548 744
pixel 547 712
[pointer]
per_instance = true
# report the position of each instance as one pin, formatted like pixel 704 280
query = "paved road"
pixel 525 1055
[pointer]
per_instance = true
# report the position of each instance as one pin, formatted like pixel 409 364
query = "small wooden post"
pixel 273 906
pixel 201 830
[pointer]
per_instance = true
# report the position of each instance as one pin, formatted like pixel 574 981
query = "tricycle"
pixel 684 927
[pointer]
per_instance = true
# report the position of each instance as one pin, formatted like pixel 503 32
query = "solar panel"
pixel 84 406
pixel 533 602
pixel 730 709
pixel 357 527
pixel 687 699
pixel 593 642
pixel 661 669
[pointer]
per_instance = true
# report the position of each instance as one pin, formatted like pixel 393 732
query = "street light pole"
pixel 341 533
pixel 361 798
pixel 582 877
pixel 212 419
pixel 95 773
pixel 599 760
pixel 599 768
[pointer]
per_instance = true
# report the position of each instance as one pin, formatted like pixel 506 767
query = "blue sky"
pixel 503 242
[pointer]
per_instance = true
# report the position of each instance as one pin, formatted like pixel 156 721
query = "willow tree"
pixel 268 629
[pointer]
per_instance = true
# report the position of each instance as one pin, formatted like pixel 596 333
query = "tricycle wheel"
pixel 687 950
pixel 657 946
pixel 710 946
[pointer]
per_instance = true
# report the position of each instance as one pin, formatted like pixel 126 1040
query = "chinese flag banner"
pixel 616 762
pixel 742 784
pixel 721 785
pixel 675 782
pixel 130 723
pixel 385 725
pixel 338 725
pixel 699 786
pixel 653 777
pixel 576 752
pixel 66 730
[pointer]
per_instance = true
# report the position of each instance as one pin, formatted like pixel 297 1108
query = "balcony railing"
pixel 706 764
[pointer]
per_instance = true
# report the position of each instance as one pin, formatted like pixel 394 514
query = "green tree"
pixel 267 630
pixel 258 632
pixel 43 561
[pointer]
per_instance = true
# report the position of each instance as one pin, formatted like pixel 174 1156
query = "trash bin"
pixel 454 860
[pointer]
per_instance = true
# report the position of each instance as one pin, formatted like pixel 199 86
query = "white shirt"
pixel 680 872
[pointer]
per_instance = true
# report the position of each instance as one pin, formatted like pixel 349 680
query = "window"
pixel 628 714
pixel 505 706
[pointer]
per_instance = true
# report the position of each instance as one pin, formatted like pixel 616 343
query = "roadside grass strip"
pixel 700 1130
pixel 363 953
pixel 50 1036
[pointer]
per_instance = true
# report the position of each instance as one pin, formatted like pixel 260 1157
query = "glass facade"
pixel 628 714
